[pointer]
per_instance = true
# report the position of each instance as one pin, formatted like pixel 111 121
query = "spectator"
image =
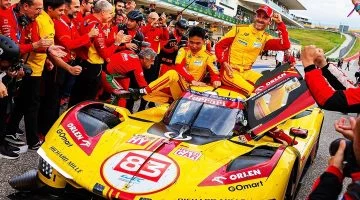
pixel 348 66
pixel 340 63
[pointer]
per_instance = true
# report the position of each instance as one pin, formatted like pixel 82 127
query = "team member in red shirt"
pixel 93 58
pixel 86 7
pixel 124 66
pixel 156 33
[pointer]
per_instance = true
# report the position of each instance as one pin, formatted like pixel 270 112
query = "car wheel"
pixel 291 188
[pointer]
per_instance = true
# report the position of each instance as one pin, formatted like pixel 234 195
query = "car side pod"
pixel 26 182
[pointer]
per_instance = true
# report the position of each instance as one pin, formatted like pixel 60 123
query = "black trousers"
pixel 27 104
pixel 49 110
pixel 151 75
pixel 4 105
pixel 86 84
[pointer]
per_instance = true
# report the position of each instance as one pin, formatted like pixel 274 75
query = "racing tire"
pixel 291 189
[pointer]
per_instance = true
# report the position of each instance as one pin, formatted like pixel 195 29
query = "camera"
pixel 20 65
pixel 350 164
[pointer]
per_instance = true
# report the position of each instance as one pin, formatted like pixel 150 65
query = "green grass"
pixel 355 49
pixel 323 39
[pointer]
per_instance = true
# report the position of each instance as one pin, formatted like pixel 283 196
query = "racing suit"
pixel 329 185
pixel 189 67
pixel 168 53
pixel 240 47
pixel 122 67
pixel 328 97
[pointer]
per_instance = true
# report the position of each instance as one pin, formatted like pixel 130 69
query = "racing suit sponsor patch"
pixel 257 44
pixel 243 42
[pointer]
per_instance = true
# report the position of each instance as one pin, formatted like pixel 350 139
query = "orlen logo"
pixel 75 131
pixel 276 79
pixel 246 174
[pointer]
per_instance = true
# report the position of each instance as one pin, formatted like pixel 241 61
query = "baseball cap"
pixel 266 9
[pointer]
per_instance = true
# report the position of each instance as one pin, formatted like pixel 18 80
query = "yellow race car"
pixel 209 144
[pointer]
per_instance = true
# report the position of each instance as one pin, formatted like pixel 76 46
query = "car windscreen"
pixel 204 119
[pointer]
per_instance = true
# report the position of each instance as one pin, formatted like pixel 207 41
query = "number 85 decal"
pixel 141 166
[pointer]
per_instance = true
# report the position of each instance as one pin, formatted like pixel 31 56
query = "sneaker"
pixel 14 139
pixel 35 146
pixel 4 153
pixel 19 132
pixel 12 148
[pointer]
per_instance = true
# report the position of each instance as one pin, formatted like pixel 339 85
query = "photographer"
pixel 329 184
pixel 9 54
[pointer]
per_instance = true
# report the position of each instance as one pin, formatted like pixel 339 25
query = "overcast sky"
pixel 330 12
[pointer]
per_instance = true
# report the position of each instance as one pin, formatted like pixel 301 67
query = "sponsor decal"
pixel 243 139
pixel 139 171
pixel 274 80
pixel 243 175
pixel 65 159
pixel 198 62
pixel 202 99
pixel 243 42
pixel 177 136
pixel 184 152
pixel 257 44
pixel 140 140
pixel 79 136
pixel 245 186
pixel 132 179
pixel 219 179
pixel 63 137
pixel 214 100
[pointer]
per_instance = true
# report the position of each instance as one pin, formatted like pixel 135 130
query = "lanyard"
pixel 18 35
pixel 70 27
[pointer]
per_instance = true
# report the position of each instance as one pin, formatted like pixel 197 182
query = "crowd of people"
pixel 86 50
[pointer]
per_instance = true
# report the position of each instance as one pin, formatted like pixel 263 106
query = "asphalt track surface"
pixel 28 160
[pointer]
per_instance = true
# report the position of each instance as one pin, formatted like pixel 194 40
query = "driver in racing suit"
pixel 239 48
pixel 192 63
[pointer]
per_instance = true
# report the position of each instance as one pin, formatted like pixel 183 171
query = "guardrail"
pixel 201 9
pixel 346 49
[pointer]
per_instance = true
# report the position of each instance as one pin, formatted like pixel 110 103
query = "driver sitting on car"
pixel 192 64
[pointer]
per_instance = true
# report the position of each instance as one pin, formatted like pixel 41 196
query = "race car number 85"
pixel 141 166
